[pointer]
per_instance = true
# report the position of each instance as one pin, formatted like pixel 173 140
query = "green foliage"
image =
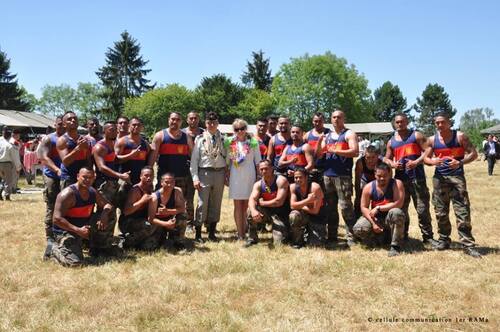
pixel 89 101
pixel 258 74
pixel 321 83
pixel 434 100
pixel 123 76
pixel 155 106
pixel 219 94
pixel 256 104
pixel 475 120
pixel 10 93
pixel 389 101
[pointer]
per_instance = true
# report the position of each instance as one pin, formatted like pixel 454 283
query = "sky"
pixel 410 43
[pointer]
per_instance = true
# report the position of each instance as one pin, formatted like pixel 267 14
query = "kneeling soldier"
pixel 386 197
pixel 267 204
pixel 74 219
pixel 167 209
pixel 308 210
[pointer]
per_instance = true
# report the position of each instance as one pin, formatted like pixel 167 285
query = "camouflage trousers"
pixel 274 216
pixel 51 190
pixel 300 222
pixel 186 185
pixel 140 234
pixel 109 190
pixel 452 188
pixel 393 222
pixel 338 191
pixel 178 233
pixel 417 191
pixel 357 199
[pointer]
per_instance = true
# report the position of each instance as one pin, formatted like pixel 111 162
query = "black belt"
pixel 212 169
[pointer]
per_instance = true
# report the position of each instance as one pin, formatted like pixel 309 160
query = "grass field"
pixel 222 286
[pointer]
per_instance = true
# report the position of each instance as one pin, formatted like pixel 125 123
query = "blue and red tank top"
pixel 405 150
pixel 296 152
pixel 81 160
pixel 263 145
pixel 169 205
pixel 142 212
pixel 321 216
pixel 136 163
pixel 109 160
pixel 336 165
pixel 312 140
pixel 451 149
pixel 174 155
pixel 79 214
pixel 268 193
pixel 54 156
pixel 381 199
pixel 279 146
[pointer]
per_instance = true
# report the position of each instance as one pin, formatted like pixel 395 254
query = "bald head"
pixel 338 119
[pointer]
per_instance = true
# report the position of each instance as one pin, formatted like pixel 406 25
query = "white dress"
pixel 243 176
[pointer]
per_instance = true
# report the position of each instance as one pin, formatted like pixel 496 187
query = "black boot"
pixel 197 237
pixel 211 232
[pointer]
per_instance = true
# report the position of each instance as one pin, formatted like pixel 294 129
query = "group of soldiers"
pixel 304 179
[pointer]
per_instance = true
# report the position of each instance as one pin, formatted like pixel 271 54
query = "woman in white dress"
pixel 243 157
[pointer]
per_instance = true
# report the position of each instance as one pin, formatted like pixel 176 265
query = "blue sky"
pixel 411 43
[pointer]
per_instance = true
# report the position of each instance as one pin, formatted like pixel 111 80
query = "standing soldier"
pixel 297 154
pixel 262 137
pixel 406 153
pixel 74 150
pixel 122 123
pixel 94 134
pixel 311 138
pixel 381 203
pixel 272 123
pixel 268 204
pixel 451 150
pixel 208 165
pixel 278 142
pixel 48 155
pixel 339 147
pixel 108 176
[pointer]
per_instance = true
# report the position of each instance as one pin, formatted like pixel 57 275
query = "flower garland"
pixel 238 150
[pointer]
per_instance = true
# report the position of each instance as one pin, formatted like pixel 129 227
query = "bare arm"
pixel 270 149
pixel 283 162
pixel 106 207
pixel 281 195
pixel 399 197
pixel 317 193
pixel 299 205
pixel 64 201
pixel 389 156
pixel 99 153
pixel 43 154
pixel 135 202
pixel 253 201
pixel 352 141
pixel 68 157
pixel 309 157
pixel 155 146
pixel 358 171
pixel 470 150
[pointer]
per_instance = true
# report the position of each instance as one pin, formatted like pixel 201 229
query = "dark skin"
pixel 338 122
pixel 135 127
pixel 174 131
pixel 371 160
pixel 66 200
pixel 45 145
pixel 140 196
pixel 100 152
pixel 261 129
pixel 158 207
pixel 318 126
pixel 193 121
pixel 70 122
pixel 284 135
pixel 312 203
pixel 402 133
pixel 296 135
pixel 443 126
pixel 123 129
pixel 382 178
pixel 266 172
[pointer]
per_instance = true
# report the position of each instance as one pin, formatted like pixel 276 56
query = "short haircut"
pixel 87 168
pixel 297 126
pixel 109 122
pixel 212 116
pixel 301 170
pixel 266 161
pixel 403 115
pixel 272 117
pixel 122 117
pixel 7 134
pixel 147 168
pixel 442 115
pixel 59 117
pixel 371 149
pixel 383 167
pixel 170 174
pixel 68 112
pixel 262 120
pixel 94 119
pixel 16 131
pixel 319 115
pixel 136 118
pixel 195 113
pixel 175 112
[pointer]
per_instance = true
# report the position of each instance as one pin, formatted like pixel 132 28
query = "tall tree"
pixel 475 120
pixel 258 74
pixel 434 100
pixel 123 76
pixel 321 83
pixel 388 101
pixel 10 92
pixel 219 94
pixel 57 99
pixel 255 105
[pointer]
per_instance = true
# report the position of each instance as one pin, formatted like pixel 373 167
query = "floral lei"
pixel 237 150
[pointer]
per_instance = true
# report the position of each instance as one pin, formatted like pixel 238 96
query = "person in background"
pixel 122 123
pixel 17 143
pixel 243 158
pixel 363 143
pixel 364 172
pixel 30 160
pixel 491 151
pixel 262 136
pixel 278 142
pixel 272 123
pixel 94 130
pixel 311 138
pixel 9 164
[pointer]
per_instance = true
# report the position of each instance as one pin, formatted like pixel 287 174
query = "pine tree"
pixel 434 100
pixel 123 76
pixel 258 74
pixel 388 101
pixel 11 95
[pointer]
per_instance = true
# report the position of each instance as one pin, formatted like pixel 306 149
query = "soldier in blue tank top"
pixel 278 142
pixel 405 153
pixel 450 150
pixel 364 173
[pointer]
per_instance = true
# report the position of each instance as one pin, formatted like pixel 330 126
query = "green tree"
pixel 475 120
pixel 57 99
pixel 219 94
pixel 321 83
pixel 256 104
pixel 258 74
pixel 10 92
pixel 123 76
pixel 89 101
pixel 434 100
pixel 155 105
pixel 389 101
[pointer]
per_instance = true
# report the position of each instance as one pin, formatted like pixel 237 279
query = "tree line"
pixel 301 87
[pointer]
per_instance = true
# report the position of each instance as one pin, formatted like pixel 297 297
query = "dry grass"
pixel 225 287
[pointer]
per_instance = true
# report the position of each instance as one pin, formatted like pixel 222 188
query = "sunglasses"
pixel 240 129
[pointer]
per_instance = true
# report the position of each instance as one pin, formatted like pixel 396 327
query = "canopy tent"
pixel 491 130
pixel 25 119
